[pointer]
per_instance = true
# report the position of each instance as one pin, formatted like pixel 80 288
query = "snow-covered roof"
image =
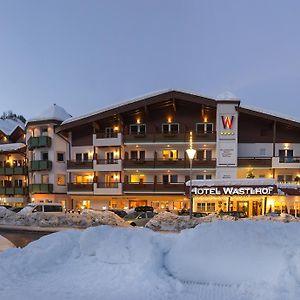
pixel 129 101
pixel 11 147
pixel 271 113
pixel 227 96
pixel 8 126
pixel 53 112
pixel 232 182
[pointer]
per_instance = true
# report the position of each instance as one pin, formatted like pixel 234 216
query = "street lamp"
pixel 191 154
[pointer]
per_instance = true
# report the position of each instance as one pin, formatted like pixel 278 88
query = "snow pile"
pixel 253 260
pixel 167 221
pixel 86 219
pixel 5 244
pixel 283 217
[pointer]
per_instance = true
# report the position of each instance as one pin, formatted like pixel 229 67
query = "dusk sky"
pixel 85 55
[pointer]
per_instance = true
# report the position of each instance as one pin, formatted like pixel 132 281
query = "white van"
pixel 48 208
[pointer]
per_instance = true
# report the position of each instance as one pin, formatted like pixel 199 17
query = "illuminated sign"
pixel 231 191
pixel 227 122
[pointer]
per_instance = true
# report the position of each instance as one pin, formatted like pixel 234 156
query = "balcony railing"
pixel 255 162
pixel 38 142
pixel 168 163
pixel 107 185
pixel 79 164
pixel 169 137
pixel 41 188
pixel 13 170
pixel 107 161
pixel 13 190
pixel 289 160
pixel 154 187
pixel 40 165
pixel 106 135
pixel 80 187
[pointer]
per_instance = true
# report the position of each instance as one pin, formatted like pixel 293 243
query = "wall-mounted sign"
pixel 232 191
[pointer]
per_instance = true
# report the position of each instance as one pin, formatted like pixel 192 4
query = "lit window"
pixel 170 154
pixel 61 180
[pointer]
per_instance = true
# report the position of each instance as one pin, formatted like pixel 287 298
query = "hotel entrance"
pixel 243 206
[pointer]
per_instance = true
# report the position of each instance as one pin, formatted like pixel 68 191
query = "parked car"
pixel 195 214
pixel 144 208
pixel 48 208
pixel 16 209
pixel 121 213
pixel 139 218
pixel 6 206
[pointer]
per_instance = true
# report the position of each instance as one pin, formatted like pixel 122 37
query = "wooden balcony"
pixel 169 137
pixel 22 170
pixel 80 187
pixel 40 165
pixel 37 188
pixel 260 162
pixel 154 187
pixel 167 164
pixel 13 190
pixel 38 142
pixel 79 164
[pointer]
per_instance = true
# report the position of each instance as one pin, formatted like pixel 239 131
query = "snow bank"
pixel 5 244
pixel 254 260
pixel 168 221
pixel 86 219
pixel 283 217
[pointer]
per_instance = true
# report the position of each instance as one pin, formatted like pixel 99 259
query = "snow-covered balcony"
pixel 108 188
pixel 286 162
pixel 102 139
pixel 108 165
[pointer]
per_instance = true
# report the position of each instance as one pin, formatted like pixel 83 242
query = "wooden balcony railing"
pixel 255 162
pixel 79 164
pixel 154 187
pixel 80 187
pixel 168 163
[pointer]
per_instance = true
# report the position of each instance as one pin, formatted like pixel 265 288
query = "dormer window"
pixel 44 131
pixel 204 127
pixel 138 129
pixel 170 128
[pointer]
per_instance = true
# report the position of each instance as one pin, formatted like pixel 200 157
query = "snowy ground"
pixel 86 219
pixel 219 260
pixel 5 244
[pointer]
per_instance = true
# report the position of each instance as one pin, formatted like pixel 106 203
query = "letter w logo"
pixel 227 122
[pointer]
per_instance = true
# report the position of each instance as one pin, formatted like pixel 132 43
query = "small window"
pixel 18 183
pixel 288 178
pixel 78 157
pixel 200 177
pixel 60 156
pixel 171 154
pixel 137 129
pixel 45 156
pixel 174 178
pixel 280 178
pixel 61 180
pixel 208 177
pixel 204 127
pixel 44 131
pixel 201 206
pixel 45 179
pixel 165 179
pixel 85 156
pixel 172 128
pixel 211 206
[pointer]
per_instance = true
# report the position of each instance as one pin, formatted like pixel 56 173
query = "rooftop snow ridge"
pixel 8 126
pixel 53 112
pixel 227 95
pixel 129 101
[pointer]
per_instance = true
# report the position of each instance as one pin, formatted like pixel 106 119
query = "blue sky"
pixel 84 55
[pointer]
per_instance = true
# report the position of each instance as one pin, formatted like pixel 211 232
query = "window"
pixel 211 206
pixel 171 154
pixel 200 177
pixel 18 183
pixel 45 179
pixel 204 176
pixel 168 178
pixel 204 154
pixel 262 151
pixel 137 154
pixel 44 131
pixel 85 156
pixel 53 208
pixel 201 206
pixel 108 132
pixel 61 180
pixel 60 156
pixel 280 178
pixel 137 178
pixel 82 156
pixel 204 127
pixel 44 155
pixel 78 156
pixel 172 128
pixel 138 129
pixel 84 178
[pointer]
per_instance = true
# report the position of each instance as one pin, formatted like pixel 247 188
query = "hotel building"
pixel 134 154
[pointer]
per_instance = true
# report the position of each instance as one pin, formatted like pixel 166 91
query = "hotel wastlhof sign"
pixel 234 190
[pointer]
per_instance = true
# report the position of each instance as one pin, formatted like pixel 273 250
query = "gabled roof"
pixel 8 126
pixel 53 113
pixel 14 147
pixel 134 103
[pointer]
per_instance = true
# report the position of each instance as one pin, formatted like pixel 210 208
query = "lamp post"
pixel 191 154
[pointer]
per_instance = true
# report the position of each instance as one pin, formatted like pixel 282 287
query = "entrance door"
pixel 243 206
